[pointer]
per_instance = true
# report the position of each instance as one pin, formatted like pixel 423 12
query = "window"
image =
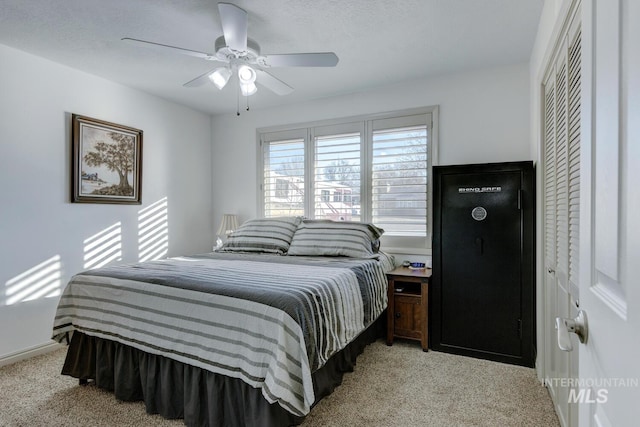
pixel 399 180
pixel 371 169
pixel 283 178
pixel 337 168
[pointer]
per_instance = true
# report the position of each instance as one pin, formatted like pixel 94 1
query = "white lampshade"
pixel 220 77
pixel 246 75
pixel 248 89
pixel 228 225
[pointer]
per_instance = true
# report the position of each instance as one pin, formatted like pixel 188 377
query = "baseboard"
pixel 29 353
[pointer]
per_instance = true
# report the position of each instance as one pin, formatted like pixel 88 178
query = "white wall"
pixel 38 224
pixel 484 117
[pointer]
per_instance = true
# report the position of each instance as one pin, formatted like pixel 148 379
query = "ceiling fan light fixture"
pixel 247 75
pixel 248 89
pixel 220 77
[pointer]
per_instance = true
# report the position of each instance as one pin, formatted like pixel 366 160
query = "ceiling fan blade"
pixel 234 26
pixel 166 48
pixel 200 80
pixel 320 59
pixel 272 83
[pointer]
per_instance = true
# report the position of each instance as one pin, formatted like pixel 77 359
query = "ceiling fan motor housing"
pixel 225 53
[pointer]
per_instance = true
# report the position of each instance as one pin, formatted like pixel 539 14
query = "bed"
pixel 255 334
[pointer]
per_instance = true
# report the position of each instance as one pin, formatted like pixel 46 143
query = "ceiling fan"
pixel 238 55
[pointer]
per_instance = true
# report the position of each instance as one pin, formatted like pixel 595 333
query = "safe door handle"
pixel 578 326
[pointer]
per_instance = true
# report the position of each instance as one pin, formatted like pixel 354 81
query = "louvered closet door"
pixel 573 163
pixel 573 92
pixel 561 209
pixel 555 368
pixel 563 294
pixel 562 177
pixel 550 227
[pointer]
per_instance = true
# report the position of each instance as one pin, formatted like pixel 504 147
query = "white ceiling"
pixel 378 42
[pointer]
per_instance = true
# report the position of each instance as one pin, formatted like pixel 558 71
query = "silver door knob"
pixel 578 326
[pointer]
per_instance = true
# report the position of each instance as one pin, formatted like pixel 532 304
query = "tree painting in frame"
pixel 107 162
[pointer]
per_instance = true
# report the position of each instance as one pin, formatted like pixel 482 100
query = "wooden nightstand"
pixel 408 296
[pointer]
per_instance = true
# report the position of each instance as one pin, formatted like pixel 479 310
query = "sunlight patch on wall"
pixel 153 231
pixel 103 247
pixel 41 281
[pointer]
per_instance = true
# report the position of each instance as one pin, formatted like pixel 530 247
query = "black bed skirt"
pixel 202 398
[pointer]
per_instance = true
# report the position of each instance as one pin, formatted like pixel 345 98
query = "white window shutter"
pixel 372 168
pixel 399 178
pixel 336 177
pixel 284 177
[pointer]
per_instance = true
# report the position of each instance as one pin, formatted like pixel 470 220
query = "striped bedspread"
pixel 266 319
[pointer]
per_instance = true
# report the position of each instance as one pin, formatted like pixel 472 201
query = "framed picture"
pixel 107 162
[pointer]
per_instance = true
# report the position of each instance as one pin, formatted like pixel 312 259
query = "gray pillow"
pixel 335 238
pixel 268 235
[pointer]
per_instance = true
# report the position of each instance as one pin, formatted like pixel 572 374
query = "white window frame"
pixel 362 123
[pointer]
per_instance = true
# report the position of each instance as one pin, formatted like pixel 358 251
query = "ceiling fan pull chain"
pixel 247 102
pixel 238 100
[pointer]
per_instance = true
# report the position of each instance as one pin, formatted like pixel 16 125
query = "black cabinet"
pixel 483 295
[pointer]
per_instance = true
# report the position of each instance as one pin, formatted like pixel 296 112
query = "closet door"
pixel 552 370
pixel 574 62
pixel 561 183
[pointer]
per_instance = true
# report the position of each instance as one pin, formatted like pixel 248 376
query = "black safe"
pixel 482 287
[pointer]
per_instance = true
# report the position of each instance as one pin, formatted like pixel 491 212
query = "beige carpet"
pixel 391 386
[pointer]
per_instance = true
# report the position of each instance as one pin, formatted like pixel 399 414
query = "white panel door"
pixel 608 393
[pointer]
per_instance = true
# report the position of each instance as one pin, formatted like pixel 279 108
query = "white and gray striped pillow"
pixel 335 238
pixel 269 235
